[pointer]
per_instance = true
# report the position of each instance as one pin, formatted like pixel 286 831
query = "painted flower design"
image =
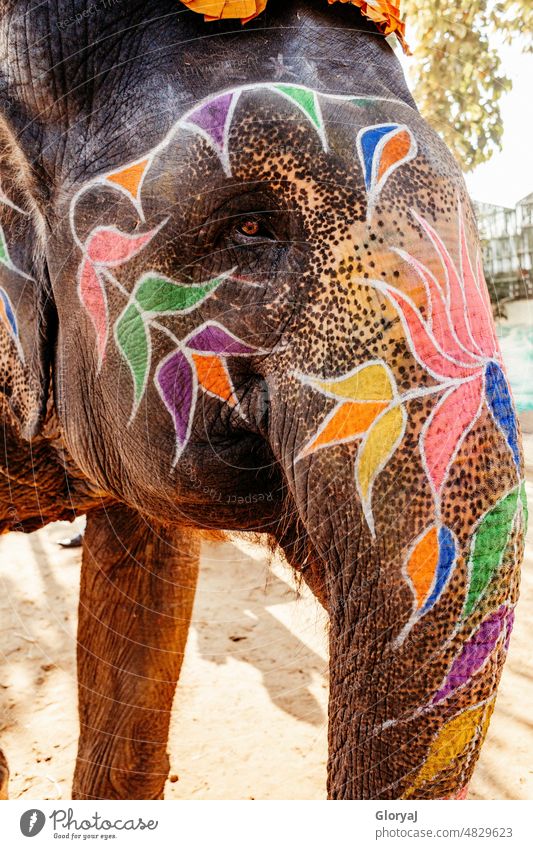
pixel 105 248
pixel 196 362
pixel 368 409
pixel 455 341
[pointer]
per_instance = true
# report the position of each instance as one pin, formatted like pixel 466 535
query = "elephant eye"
pixel 250 229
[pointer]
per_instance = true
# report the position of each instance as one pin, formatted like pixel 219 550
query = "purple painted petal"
pixel 475 652
pixel 213 339
pixel 212 117
pixel 177 385
pixel 510 623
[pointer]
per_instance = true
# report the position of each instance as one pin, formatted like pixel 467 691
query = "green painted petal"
pixel 523 499
pixel 133 343
pixel 304 98
pixel 4 253
pixel 488 548
pixel 160 295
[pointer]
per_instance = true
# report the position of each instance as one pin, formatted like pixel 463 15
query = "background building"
pixel 507 244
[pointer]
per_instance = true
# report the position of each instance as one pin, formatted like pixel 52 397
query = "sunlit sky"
pixel 508 175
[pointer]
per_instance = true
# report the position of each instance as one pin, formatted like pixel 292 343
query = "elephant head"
pixel 259 274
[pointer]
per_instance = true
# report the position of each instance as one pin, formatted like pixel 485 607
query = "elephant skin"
pixel 241 290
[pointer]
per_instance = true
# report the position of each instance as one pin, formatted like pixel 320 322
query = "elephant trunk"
pixel 420 591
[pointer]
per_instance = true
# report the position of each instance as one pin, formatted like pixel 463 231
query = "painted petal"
pixel 213 377
pixel 347 422
pixel 133 343
pixel 452 743
pixel 109 247
pixel 509 629
pixel 159 294
pixel 479 321
pixel 423 343
pixel 4 253
pixel 212 118
pixel 367 383
pixel 130 178
pixel 176 381
pixel 488 547
pixel 368 139
pixel 422 565
pixel 7 313
pixel 93 297
pixel 438 318
pixel 501 406
pixel 376 450
pixel 449 423
pixel 456 296
pixel 305 99
pixel 394 151
pixel 482 288
pixel 212 338
pixel 429 566
pixel 445 564
pixel 474 653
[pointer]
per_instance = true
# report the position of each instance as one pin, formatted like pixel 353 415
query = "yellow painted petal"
pixel 369 383
pixel 349 421
pixel 378 447
pixel 452 741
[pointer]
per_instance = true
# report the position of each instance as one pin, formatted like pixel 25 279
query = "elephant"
pixel 241 291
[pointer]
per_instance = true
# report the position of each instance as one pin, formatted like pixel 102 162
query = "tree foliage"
pixel 458 78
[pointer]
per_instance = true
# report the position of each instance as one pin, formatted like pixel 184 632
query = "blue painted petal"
pixel 369 141
pixel 6 311
pixel 447 556
pixel 501 406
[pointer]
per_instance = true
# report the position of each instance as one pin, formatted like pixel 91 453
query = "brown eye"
pixel 250 227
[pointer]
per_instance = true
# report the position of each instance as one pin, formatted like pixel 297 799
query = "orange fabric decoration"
pixel 384 14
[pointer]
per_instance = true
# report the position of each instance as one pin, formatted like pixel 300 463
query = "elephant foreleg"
pixel 136 596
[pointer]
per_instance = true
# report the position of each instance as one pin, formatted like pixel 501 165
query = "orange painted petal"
pixel 129 178
pixel 213 377
pixel 348 421
pixel 422 565
pixel 394 151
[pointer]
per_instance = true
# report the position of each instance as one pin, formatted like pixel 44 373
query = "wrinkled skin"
pixel 395 493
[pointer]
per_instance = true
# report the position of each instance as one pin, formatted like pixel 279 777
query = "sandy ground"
pixel 249 718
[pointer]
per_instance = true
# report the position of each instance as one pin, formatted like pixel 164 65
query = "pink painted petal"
pixel 423 343
pixel 446 428
pixel 480 323
pixel 109 247
pixel 489 330
pixel 438 317
pixel 456 296
pixel 93 297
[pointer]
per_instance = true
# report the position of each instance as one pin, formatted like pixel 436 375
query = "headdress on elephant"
pixel 385 15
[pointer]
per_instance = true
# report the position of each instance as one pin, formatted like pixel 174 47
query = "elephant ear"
pixel 25 312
